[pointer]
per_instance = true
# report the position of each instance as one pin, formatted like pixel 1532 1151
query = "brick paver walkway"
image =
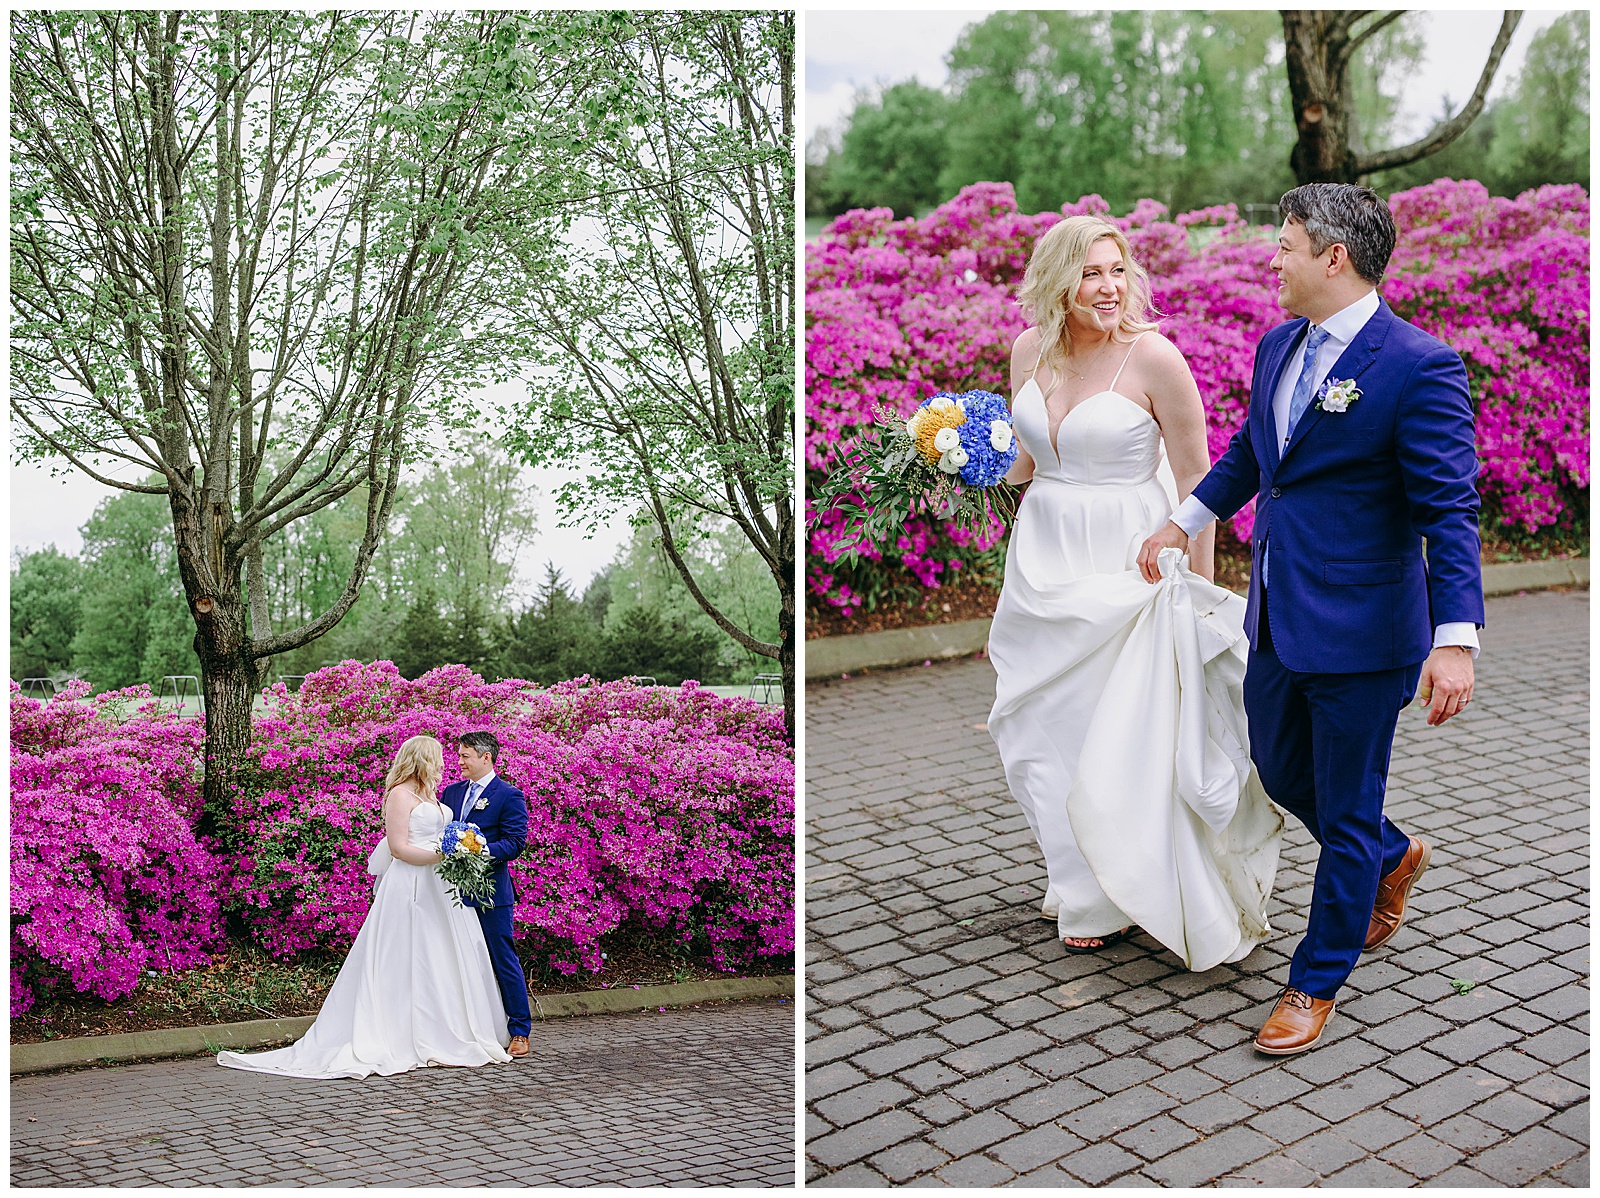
pixel 694 1097
pixel 951 1040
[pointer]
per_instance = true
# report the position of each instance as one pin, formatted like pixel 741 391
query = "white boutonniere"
pixel 1338 394
pixel 480 804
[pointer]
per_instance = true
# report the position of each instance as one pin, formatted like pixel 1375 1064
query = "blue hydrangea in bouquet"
pixel 948 459
pixel 467 866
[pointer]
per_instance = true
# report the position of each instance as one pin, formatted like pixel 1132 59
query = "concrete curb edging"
pixel 830 656
pixel 255 1033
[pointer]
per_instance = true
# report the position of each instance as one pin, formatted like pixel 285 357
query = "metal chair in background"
pixel 767 689
pixel 45 686
pixel 180 693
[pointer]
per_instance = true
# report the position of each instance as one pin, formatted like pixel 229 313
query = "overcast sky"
pixel 845 50
pixel 47 511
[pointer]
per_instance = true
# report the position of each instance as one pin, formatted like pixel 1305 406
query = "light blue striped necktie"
pixel 1301 399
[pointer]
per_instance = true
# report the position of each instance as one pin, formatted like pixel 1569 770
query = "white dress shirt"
pixel 1342 328
pixel 466 803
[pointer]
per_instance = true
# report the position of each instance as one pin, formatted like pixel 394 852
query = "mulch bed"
pixel 244 983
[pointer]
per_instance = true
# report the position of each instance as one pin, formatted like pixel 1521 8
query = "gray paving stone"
pixel 1156 1138
pixel 910 1159
pixel 608 1100
pixel 1210 1159
pixel 975 1172
pixel 1421 1156
pixel 1098 1163
pixel 1526 1156
pixel 1325 1153
pixel 973 1133
pixel 1040 1146
pixel 932 847
pixel 1447 1096
pixel 865 1138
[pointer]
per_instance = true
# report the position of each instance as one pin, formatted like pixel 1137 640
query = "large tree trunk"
pixel 1314 44
pixel 229 684
pixel 1319 45
pixel 787 631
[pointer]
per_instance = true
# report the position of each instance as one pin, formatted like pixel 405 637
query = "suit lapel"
pixel 1358 355
pixel 1274 363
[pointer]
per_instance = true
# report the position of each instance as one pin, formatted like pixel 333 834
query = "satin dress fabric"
pixel 1119 708
pixel 416 989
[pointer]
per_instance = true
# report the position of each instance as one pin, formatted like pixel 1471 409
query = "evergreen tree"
pixel 556 638
pixel 134 625
pixel 46 606
pixel 426 639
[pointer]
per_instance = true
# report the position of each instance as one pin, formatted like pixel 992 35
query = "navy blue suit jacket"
pixel 504 824
pixel 1344 512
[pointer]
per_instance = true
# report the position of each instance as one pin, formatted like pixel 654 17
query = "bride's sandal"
pixel 1105 941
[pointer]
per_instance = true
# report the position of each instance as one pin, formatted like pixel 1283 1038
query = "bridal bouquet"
pixel 467 865
pixel 949 459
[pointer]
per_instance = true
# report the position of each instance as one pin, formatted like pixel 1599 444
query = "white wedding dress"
pixel 1119 708
pixel 416 989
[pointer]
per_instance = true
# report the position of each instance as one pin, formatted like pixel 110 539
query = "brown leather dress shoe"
pixel 1295 1024
pixel 519 1046
pixel 1389 911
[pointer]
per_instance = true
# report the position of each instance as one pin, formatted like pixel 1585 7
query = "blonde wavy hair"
pixel 1055 272
pixel 420 760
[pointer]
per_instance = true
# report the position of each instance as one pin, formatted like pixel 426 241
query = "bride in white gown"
pixel 1119 710
pixel 417 987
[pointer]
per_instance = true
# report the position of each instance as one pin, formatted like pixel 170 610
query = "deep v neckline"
pixel 1054 435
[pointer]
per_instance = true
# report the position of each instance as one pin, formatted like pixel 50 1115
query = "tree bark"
pixel 1314 44
pixel 1319 45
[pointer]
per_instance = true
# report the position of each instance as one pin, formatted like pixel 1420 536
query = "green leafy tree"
pixel 1541 133
pixel 132 627
pixel 893 152
pixel 665 331
pixel 46 607
pixel 252 238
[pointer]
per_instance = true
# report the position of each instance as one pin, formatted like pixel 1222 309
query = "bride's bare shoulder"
pixel 1027 342
pixel 401 797
pixel 1156 352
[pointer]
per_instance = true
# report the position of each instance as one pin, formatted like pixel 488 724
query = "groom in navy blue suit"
pixel 501 813
pixel 1357 448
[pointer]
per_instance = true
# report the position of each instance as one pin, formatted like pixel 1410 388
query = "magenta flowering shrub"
pixel 671 810
pixel 1506 283
pixel 899 310
pixel 107 878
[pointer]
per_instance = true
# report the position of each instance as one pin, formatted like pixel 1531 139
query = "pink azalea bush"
pixel 107 878
pixel 898 310
pixel 670 810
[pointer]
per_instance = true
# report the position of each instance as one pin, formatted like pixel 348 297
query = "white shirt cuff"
pixel 1457 633
pixel 1192 516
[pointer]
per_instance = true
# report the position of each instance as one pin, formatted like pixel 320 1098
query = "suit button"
pixel 1276 493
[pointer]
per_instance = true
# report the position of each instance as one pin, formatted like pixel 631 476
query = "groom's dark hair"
pixel 1355 217
pixel 483 742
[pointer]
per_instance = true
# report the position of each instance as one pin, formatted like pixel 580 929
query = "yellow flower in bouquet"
pixel 926 424
pixel 471 842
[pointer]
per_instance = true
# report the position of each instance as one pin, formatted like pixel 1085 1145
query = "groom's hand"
pixel 1169 536
pixel 1446 683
